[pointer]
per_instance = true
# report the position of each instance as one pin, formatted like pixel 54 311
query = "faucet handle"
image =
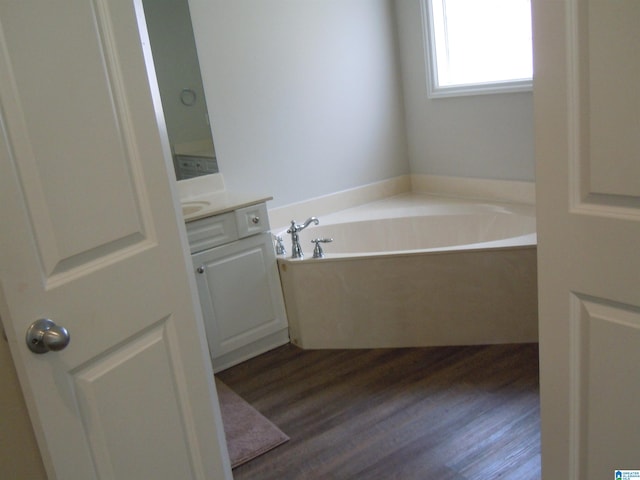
pixel 280 248
pixel 317 251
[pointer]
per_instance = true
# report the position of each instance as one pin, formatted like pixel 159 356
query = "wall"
pixel 19 454
pixel 484 136
pixel 305 98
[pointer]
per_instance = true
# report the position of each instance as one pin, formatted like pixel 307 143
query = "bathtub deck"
pixel 420 413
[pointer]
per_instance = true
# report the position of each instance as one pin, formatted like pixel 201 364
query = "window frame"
pixel 434 90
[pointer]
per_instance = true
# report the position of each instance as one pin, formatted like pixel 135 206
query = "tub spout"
pixel 296 249
pixel 307 222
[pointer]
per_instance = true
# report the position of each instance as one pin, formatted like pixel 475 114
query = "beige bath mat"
pixel 248 433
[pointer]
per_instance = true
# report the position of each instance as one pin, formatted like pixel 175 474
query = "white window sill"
pixel 479 89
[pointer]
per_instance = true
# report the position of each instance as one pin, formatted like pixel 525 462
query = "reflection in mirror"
pixel 180 83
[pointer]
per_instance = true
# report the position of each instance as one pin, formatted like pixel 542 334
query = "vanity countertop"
pixel 206 196
pixel 215 203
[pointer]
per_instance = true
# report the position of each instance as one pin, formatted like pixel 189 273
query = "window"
pixel 478 46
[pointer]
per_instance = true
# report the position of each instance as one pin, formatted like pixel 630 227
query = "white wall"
pixel 304 96
pixel 485 136
pixel 19 453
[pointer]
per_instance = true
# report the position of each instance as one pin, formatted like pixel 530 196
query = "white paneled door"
pixel 587 106
pixel 90 238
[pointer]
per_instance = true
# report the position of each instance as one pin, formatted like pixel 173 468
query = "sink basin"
pixel 189 208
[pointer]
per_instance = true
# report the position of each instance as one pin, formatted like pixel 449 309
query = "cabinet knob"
pixel 255 220
pixel 200 269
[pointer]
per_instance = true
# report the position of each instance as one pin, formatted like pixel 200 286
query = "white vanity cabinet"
pixel 238 284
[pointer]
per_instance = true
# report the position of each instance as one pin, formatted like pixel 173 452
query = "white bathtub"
pixel 415 270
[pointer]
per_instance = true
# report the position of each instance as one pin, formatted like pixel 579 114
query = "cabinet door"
pixel 240 293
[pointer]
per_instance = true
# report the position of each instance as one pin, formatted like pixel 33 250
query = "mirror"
pixel 180 82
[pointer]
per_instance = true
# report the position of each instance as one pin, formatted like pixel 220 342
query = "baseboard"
pixel 254 349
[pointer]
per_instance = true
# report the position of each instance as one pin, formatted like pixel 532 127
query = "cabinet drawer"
pixel 211 232
pixel 252 220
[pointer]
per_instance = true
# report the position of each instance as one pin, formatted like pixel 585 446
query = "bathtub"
pixel 415 270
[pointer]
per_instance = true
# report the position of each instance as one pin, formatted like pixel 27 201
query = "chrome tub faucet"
pixel 296 249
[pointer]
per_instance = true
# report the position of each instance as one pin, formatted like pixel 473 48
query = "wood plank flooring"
pixel 464 413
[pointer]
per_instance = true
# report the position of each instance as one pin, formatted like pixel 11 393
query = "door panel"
pixel 612 95
pixel 92 239
pixel 588 200
pixel 117 385
pixel 604 103
pixel 73 240
pixel 606 389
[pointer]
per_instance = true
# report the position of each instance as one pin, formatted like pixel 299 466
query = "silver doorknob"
pixel 44 335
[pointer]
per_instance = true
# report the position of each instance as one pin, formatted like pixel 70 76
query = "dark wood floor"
pixel 421 413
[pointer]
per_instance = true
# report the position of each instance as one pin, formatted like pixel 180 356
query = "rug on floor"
pixel 248 433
